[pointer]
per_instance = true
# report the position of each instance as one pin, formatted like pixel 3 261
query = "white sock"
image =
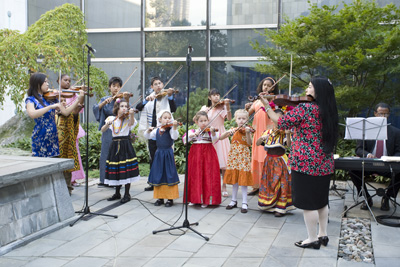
pixel 244 193
pixel 235 189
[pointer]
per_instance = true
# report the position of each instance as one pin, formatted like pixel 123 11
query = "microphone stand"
pixel 186 223
pixel 86 208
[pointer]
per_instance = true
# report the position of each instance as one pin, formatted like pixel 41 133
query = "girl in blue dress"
pixel 44 135
pixel 163 175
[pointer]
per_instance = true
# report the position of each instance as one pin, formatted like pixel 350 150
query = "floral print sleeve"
pixel 306 154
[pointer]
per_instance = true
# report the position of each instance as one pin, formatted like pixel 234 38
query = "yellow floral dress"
pixel 239 162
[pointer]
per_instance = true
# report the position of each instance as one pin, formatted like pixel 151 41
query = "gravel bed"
pixel 355 243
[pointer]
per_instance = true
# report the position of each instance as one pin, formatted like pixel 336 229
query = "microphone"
pixel 91 49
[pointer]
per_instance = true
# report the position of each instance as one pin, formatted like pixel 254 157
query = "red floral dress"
pixel 306 154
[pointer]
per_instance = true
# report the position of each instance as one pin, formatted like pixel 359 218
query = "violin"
pixel 164 92
pixel 52 94
pixel 167 126
pixel 121 95
pixel 126 114
pixel 284 100
pixel 242 129
pixel 222 102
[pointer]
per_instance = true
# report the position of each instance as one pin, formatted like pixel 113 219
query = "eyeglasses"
pixel 378 114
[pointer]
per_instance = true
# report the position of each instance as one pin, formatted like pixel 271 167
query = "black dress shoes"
pixel 324 240
pixel 149 188
pixel 125 199
pixel 253 192
pixel 385 203
pixel 314 245
pixel 364 205
pixel 114 197
pixel 169 203
pixel 229 207
pixel 159 202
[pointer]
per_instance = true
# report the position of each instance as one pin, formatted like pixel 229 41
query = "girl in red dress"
pixel 204 182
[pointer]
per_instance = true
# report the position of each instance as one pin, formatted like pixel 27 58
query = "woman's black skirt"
pixel 310 192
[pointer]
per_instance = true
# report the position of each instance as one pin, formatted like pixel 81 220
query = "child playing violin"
pixel 45 136
pixel 238 172
pixel 149 108
pixel 101 111
pixel 221 109
pixel 204 181
pixel 261 122
pixel 121 165
pixel 275 187
pixel 163 174
pixel 66 126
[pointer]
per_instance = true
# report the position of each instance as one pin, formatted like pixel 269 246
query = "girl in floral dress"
pixel 275 187
pixel 220 112
pixel 45 135
pixel 238 172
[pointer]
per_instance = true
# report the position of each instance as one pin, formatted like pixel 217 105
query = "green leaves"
pixel 59 36
pixel 357 47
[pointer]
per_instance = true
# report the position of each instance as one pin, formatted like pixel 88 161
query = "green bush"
pixel 198 99
pixel 94 146
pixel 23 143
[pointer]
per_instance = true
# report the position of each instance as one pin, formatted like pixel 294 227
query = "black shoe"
pixel 364 205
pixel 314 245
pixel 126 198
pixel 149 188
pixel 324 240
pixel 169 203
pixel 114 197
pixel 244 210
pixel 253 192
pixel 159 202
pixel 229 207
pixel 385 203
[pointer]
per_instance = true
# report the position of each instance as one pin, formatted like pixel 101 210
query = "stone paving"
pixel 253 239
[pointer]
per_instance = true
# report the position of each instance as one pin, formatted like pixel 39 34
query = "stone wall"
pixel 33 198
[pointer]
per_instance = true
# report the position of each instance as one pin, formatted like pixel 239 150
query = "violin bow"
pixel 137 101
pixel 59 86
pixel 173 76
pixel 230 90
pixel 211 121
pixel 76 82
pixel 125 82
pixel 278 80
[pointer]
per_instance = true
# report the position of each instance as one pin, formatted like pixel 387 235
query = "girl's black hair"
pixel 35 84
pixel 260 85
pixel 212 91
pixel 326 101
pixel 114 80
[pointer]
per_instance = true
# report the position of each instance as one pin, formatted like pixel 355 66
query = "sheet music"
pixel 374 128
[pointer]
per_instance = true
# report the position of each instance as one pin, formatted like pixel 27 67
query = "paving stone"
pixel 206 262
pixel 40 262
pixel 214 251
pixel 157 262
pixel 317 262
pixel 274 261
pixel 87 262
pixel 240 262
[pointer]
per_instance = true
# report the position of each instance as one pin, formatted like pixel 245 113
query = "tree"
pixel 59 37
pixel 357 47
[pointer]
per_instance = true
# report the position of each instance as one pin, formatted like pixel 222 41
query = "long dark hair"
pixel 35 84
pixel 213 91
pixel 326 101
pixel 260 85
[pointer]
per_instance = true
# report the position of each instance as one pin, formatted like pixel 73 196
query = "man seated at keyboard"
pixel 377 149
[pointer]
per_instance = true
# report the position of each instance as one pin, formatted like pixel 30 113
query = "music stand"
pixel 373 128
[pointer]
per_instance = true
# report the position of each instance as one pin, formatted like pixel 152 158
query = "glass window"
pixel 115 44
pixel 165 70
pixel 112 13
pixel 122 70
pixel 175 44
pixel 234 43
pixel 36 8
pixel 169 13
pixel 242 12
pixel 225 74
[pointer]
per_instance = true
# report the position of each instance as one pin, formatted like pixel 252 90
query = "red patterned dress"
pixel 275 187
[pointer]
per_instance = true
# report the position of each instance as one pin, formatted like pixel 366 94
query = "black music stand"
pixel 373 128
